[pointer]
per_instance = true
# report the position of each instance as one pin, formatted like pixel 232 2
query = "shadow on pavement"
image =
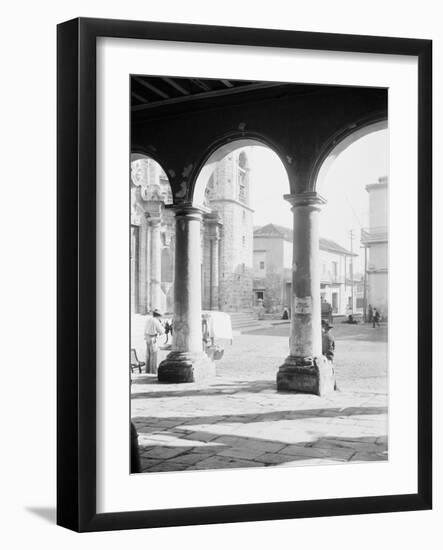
pixel 234 451
pixel 150 422
pixel 228 388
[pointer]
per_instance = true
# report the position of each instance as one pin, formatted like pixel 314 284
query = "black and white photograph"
pixel 221 275
pixel 244 269
pixel 259 274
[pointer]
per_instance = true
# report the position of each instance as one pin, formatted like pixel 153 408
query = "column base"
pixel 314 375
pixel 182 367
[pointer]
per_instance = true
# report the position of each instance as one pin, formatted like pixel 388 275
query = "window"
pixel 262 265
pixel 242 173
pixel 244 241
pixel 259 295
pixel 334 302
pixel 242 188
pixel 334 270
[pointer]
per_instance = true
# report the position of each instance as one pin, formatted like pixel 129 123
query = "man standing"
pixel 327 340
pixel 370 314
pixel 153 329
pixel 326 310
pixel 375 318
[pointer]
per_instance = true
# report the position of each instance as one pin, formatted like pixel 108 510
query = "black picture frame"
pixel 76 264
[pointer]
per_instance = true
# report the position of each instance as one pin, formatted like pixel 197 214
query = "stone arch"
pixel 151 230
pixel 337 144
pixel 139 154
pixel 220 150
pixel 166 192
pixel 228 234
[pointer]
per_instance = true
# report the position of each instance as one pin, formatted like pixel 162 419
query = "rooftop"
pixel 382 183
pixel 278 231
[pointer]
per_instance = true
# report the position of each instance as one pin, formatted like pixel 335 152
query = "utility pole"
pixel 351 269
pixel 365 287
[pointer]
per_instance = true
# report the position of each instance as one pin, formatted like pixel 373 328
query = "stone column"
pixel 213 223
pixel 187 362
pixel 214 272
pixel 153 210
pixel 143 261
pixel 156 264
pixel 306 370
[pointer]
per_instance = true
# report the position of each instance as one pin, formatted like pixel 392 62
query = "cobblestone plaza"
pixel 240 420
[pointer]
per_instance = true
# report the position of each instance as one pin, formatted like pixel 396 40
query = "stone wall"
pixel 273 300
pixel 206 271
pixel 236 270
pixel 236 239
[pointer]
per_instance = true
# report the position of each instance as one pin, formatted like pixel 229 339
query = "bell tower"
pixel 228 195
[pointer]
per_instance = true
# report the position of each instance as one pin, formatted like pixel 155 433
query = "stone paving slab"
pixel 365 457
pixel 169 466
pixel 317 452
pixel 274 458
pixel 189 458
pixel 241 421
pixel 311 462
pixel 201 436
pixel 244 441
pixel 221 462
pixel 147 463
pixel 162 452
pixel 205 450
pixel 328 444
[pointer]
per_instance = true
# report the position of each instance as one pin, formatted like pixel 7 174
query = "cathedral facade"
pixel 226 238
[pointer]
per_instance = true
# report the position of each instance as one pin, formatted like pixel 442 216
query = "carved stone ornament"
pixel 152 193
pixel 138 173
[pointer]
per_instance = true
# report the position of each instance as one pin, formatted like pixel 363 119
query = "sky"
pixel 343 187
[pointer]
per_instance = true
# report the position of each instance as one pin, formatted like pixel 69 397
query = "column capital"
pixel 213 218
pixel 311 199
pixel 154 209
pixel 214 232
pixel 189 210
pixel 154 221
pixel 213 223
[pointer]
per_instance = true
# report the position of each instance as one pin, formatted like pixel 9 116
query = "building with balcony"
pixel 375 241
pixel 273 271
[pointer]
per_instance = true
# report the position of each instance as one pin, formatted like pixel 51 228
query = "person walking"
pixel 153 329
pixel 327 341
pixel 375 318
pixel 326 310
pixel 370 313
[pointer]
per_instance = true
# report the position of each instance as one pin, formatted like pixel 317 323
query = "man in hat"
pixel 327 340
pixel 153 329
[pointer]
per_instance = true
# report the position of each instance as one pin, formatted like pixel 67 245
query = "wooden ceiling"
pixel 148 92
